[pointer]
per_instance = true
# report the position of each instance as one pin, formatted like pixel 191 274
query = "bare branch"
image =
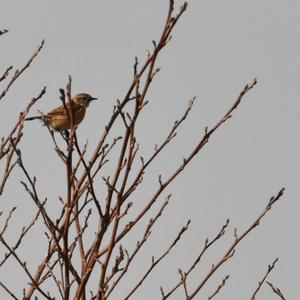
pixel 187 160
pixel 8 290
pixel 19 72
pixel 230 252
pixel 24 267
pixel 7 220
pixel 276 291
pixel 19 125
pixel 219 287
pixel 139 245
pixel 6 72
pixel 25 230
pixel 157 261
pixel 260 283
pixel 206 246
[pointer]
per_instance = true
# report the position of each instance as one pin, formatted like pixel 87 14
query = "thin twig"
pixel 20 122
pixel 207 244
pixel 138 245
pixel 276 290
pixel 219 287
pixel 230 252
pixel 24 267
pixel 157 261
pixel 19 72
pixel 8 290
pixel 203 141
pixel 6 72
pixel 7 220
pixel 25 230
pixel 260 283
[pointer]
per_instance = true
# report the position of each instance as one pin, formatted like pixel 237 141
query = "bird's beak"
pixel 92 99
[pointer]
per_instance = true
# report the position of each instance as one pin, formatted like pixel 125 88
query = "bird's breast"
pixel 79 115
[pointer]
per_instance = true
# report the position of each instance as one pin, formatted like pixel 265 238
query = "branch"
pixel 186 161
pixel 147 69
pixel 157 261
pixel 207 245
pixel 230 252
pixel 8 290
pixel 19 124
pixel 7 220
pixel 219 287
pixel 19 72
pixel 139 245
pixel 24 267
pixel 14 138
pixel 6 72
pixel 276 291
pixel 260 283
pixel 25 230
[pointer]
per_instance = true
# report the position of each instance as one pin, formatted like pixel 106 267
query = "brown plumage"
pixel 58 118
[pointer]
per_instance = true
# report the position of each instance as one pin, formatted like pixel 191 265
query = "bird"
pixel 60 120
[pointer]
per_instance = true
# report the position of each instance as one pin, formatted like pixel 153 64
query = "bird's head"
pixel 83 99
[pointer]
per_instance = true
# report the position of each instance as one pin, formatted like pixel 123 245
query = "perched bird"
pixel 58 118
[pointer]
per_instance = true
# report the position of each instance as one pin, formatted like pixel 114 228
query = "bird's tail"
pixel 34 118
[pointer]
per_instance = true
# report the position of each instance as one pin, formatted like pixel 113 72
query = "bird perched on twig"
pixel 59 119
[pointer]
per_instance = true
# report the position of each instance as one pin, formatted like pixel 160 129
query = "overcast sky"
pixel 217 47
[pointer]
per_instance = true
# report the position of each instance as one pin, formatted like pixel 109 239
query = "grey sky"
pixel 217 47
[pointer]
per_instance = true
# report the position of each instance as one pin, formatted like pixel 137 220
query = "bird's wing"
pixel 61 110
